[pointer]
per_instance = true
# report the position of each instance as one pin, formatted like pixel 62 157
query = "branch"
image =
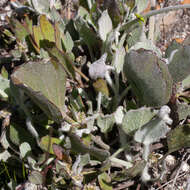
pixel 153 13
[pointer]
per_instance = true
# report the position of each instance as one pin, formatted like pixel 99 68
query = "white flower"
pixel 99 69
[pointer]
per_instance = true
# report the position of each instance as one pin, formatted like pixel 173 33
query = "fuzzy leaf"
pixel 62 58
pixel 87 34
pixel 151 132
pixel 68 42
pixel 42 6
pixel 149 77
pixel 24 149
pixel 4 156
pixel 179 66
pixel 44 83
pixel 183 110
pixel 105 123
pixel 147 45
pixel 4 88
pixel 134 119
pixel 135 35
pixel 154 129
pixel 119 59
pixel 179 138
pixel 186 83
pixel 119 115
pixel 104 25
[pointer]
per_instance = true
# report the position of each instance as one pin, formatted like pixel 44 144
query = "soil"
pixel 174 25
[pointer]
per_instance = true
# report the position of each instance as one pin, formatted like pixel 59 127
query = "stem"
pixel 146 152
pixel 152 13
pixel 119 151
pixel 80 147
pixel 117 82
pixel 121 162
pixel 99 102
pixel 123 94
pixel 166 9
pixel 81 74
pixel 99 142
pixel 110 82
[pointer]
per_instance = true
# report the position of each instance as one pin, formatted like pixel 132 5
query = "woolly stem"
pixel 152 13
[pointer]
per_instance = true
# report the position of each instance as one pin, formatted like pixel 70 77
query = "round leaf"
pixel 149 77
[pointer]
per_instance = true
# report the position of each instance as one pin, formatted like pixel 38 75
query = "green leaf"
pixel 44 143
pixel 47 29
pixel 179 138
pixel 186 83
pixel 151 132
pixel 119 59
pixel 104 25
pixel 4 73
pixel 42 6
pixel 147 45
pixel 134 119
pixel 105 181
pixel 68 42
pixel 105 123
pixel 24 149
pixel 37 34
pixel 173 46
pixel 4 88
pixel 62 58
pixel 20 31
pixel 183 110
pixel 78 146
pixel 87 34
pixel 18 135
pixel 179 66
pixel 4 156
pixel 149 77
pixel 44 83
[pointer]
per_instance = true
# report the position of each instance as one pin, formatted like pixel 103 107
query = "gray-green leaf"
pixel 44 83
pixel 104 25
pixel 134 119
pixel 149 77
pixel 179 66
